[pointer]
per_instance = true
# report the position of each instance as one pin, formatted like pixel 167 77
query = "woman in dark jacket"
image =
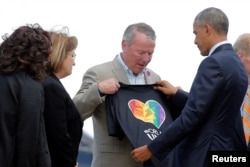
pixel 23 57
pixel 62 120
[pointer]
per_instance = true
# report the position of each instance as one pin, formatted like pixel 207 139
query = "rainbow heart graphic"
pixel 151 111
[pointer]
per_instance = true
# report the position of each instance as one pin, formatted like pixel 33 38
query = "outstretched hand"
pixel 141 154
pixel 166 87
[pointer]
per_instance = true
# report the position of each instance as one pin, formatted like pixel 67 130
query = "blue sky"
pixel 99 26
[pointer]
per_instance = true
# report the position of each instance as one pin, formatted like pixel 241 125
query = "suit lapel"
pixel 118 72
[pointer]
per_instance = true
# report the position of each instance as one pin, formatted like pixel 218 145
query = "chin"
pixel 68 74
pixel 203 54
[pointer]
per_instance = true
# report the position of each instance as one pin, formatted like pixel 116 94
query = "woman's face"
pixel 68 63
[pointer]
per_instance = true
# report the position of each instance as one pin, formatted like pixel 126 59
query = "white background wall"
pixel 99 26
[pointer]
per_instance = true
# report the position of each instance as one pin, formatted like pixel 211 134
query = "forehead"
pixel 139 36
pixel 142 40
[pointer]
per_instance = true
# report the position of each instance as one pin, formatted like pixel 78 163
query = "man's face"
pixel 245 58
pixel 201 39
pixel 139 53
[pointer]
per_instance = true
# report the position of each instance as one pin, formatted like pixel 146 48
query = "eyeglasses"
pixel 74 56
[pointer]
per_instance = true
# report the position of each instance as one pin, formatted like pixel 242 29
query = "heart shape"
pixel 151 111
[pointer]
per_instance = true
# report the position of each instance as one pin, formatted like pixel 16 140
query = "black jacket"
pixel 22 132
pixel 63 123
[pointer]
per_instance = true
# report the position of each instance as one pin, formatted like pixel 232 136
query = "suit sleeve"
pixel 205 87
pixel 180 98
pixel 88 98
pixel 178 101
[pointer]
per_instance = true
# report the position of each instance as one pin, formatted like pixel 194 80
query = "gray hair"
pixel 132 29
pixel 242 43
pixel 214 17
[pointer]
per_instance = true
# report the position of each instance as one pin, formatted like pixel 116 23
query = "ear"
pixel 208 29
pixel 124 45
pixel 240 54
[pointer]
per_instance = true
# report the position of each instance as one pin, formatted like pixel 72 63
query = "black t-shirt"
pixel 139 112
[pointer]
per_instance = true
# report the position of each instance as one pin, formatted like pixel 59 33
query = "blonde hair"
pixel 62 44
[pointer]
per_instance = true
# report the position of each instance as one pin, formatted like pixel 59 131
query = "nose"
pixel 147 57
pixel 195 41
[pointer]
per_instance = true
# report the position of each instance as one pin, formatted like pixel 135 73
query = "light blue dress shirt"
pixel 133 79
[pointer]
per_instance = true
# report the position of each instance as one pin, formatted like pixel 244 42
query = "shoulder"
pixel 25 80
pixel 224 58
pixel 100 68
pixel 19 81
pixel 50 83
pixel 24 84
pixel 102 65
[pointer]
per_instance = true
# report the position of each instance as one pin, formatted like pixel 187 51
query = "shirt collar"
pixel 216 46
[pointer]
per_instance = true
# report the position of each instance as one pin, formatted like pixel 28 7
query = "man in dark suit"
pixel 212 108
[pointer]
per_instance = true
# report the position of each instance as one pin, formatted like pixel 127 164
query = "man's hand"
pixel 109 86
pixel 141 154
pixel 166 87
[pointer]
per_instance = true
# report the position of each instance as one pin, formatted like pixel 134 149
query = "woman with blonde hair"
pixel 62 120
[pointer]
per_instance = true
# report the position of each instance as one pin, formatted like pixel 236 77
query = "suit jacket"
pixel 63 123
pixel 107 151
pixel 22 132
pixel 208 119
pixel 239 135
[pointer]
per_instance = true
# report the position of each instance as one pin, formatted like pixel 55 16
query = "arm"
pixel 88 98
pixel 206 86
pixel 175 96
pixel 180 98
pixel 92 91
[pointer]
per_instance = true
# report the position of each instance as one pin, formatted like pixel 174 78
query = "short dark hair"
pixel 214 17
